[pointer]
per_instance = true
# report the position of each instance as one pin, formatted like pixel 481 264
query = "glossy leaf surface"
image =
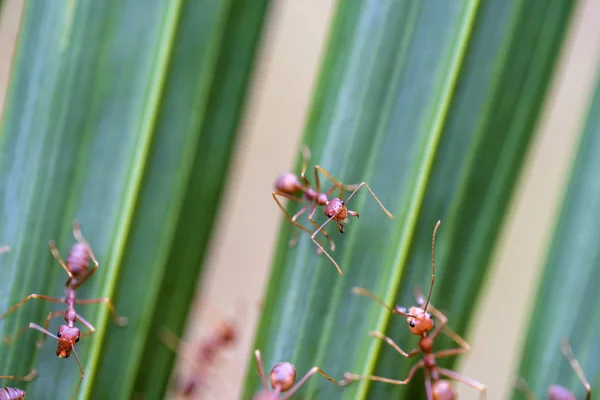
pixel 122 115
pixel 434 104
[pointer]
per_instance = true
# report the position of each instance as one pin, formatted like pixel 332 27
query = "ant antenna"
pixel 565 346
pixel 432 263
pixel 364 292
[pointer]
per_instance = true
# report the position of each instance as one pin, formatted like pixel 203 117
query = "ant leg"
pixel 50 316
pixel 389 341
pixel 372 194
pixel 294 240
pixel 450 352
pixel 305 158
pixel 26 299
pixel 525 389
pixel 289 197
pixel 121 321
pixel 174 343
pixel 25 378
pixel 80 371
pixel 87 323
pixel 352 377
pixel 44 331
pixel 336 184
pixel 321 247
pixel 442 327
pixel 566 349
pixel 310 217
pixel 79 237
pixel 306 377
pixel 58 258
pixel 261 370
pixel 428 388
pixel 467 381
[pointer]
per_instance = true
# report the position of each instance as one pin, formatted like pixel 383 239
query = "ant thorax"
pixel 419 321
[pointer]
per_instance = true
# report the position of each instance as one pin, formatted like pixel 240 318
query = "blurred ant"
pixel 288 185
pixel 420 322
pixel 223 336
pixel 8 393
pixel 77 267
pixel 558 392
pixel 282 378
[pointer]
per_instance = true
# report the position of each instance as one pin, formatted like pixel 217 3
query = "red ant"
pixel 420 322
pixel 77 268
pixel 288 185
pixel 8 393
pixel 282 378
pixel 223 336
pixel 558 392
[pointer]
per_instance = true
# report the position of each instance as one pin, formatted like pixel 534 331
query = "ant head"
pixel 557 392
pixel 288 183
pixel 67 337
pixel 283 376
pixel 336 209
pixel 419 321
pixel 226 332
pixel 442 390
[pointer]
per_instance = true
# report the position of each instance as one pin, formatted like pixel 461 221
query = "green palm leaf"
pixel 434 104
pixel 567 299
pixel 122 115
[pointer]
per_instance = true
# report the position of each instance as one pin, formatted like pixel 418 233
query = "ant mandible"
pixel 77 269
pixel 282 379
pixel 288 185
pixel 420 322
pixel 558 392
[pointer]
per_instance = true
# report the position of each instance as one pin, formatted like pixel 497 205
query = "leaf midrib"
pixel 406 237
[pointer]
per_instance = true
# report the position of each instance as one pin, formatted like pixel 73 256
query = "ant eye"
pixel 412 324
pixel 77 340
pixel 429 315
pixel 58 334
pixel 342 202
pixel 330 215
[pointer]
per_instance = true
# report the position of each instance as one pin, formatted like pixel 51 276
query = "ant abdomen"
pixel 283 376
pixel 11 394
pixel 557 392
pixel 78 260
pixel 443 390
pixel 288 183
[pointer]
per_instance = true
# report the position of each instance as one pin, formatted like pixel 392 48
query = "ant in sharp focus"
pixel 420 322
pixel 282 379
pixel 558 392
pixel 223 336
pixel 289 186
pixel 77 269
